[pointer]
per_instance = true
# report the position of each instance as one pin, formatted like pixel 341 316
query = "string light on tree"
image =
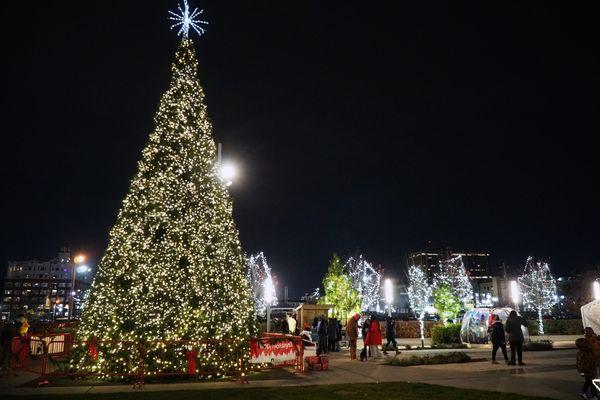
pixel 174 267
pixel 538 288
pixel 452 274
pixel 366 280
pixel 185 20
pixel 259 276
pixel 419 295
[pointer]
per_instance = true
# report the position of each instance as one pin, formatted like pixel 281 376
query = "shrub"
pixel 557 327
pixel 448 334
pixel 541 345
pixel 454 357
pixel 450 346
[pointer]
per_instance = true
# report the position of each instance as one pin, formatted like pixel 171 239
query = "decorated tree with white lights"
pixel 366 280
pixel 260 279
pixel 446 303
pixel 538 287
pixel 174 267
pixel 339 291
pixel 419 295
pixel 453 275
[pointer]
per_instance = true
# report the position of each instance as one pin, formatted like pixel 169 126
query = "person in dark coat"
pixel 515 336
pixel 322 331
pixel 390 335
pixel 498 338
pixel 332 328
pixel 586 366
pixel 365 331
pixel 338 339
pixel 6 336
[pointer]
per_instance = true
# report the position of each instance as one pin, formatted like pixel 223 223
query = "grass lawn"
pixel 380 391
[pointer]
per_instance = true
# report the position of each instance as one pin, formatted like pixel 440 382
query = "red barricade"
pixel 33 352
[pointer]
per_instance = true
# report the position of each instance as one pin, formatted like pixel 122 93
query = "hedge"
pixel 557 327
pixel 448 334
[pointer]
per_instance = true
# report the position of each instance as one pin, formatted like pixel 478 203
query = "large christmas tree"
pixel 174 266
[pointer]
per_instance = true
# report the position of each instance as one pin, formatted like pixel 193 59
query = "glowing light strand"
pixel 419 295
pixel 452 273
pixel 259 277
pixel 366 280
pixel 538 287
pixel 185 20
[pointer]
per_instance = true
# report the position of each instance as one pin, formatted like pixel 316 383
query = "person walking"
pixel 352 333
pixel 332 328
pixel 515 336
pixel 374 339
pixel 498 338
pixel 586 366
pixel 390 335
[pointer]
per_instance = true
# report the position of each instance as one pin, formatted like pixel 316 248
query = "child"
pixel 586 366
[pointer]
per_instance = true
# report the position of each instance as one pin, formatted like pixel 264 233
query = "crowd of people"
pixel 327 332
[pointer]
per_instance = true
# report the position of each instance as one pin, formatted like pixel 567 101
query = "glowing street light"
pixel 596 290
pixel 228 173
pixel 78 259
pixel 268 294
pixel 389 294
pixel 515 294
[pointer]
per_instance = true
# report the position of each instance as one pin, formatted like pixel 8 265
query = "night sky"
pixel 358 127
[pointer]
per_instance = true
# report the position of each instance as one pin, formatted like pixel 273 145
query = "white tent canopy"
pixel 590 315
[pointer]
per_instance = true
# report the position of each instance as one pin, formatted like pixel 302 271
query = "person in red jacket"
pixel 373 339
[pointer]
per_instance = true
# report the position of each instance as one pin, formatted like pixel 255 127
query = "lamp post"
pixel 269 290
pixel 514 294
pixel 389 295
pixel 596 290
pixel 78 259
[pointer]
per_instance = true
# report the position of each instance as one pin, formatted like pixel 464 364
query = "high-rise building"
pixel 476 262
pixel 43 287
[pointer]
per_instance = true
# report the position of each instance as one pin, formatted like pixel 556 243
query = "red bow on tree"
pixel 191 358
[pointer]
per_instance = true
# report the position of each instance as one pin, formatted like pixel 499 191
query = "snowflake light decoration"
pixel 184 20
pixel 366 280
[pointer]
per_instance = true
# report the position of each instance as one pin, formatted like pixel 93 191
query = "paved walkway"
pixel 549 374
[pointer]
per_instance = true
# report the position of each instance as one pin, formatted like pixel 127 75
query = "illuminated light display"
pixel 184 20
pixel 366 280
pixel 174 267
pixel 538 288
pixel 419 295
pixel 452 274
pixel 259 276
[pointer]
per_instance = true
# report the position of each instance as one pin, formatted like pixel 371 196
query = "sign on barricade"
pixel 276 350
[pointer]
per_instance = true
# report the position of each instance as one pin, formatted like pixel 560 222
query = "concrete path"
pixel 549 374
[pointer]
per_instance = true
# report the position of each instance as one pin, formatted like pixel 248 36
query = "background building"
pixel 42 288
pixel 476 262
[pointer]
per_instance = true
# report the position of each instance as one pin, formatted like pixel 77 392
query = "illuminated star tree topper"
pixel 184 19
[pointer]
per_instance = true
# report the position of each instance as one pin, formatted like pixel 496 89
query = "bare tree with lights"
pixel 419 295
pixel 538 287
pixel 365 279
pixel 453 275
pixel 259 276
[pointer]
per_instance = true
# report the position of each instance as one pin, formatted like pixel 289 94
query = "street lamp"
pixel 228 173
pixel 596 290
pixel 515 294
pixel 269 291
pixel 78 259
pixel 389 295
